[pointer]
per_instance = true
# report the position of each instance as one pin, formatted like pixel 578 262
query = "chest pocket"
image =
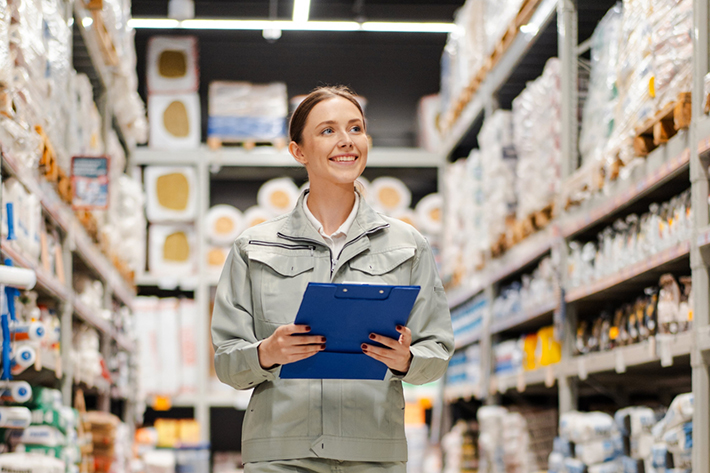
pixel 392 266
pixel 279 281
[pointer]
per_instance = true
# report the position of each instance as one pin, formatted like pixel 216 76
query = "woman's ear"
pixel 296 152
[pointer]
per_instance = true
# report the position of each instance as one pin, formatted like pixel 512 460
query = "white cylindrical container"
pixel 12 417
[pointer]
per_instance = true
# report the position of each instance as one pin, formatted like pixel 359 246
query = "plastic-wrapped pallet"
pixel 672 46
pixel 245 111
pixel 498 162
pixel 599 108
pixel 634 74
pixel 536 125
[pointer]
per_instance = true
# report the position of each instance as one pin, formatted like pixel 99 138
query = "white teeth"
pixel 344 159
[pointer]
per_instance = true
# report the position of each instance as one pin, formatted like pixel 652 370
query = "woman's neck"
pixel 331 204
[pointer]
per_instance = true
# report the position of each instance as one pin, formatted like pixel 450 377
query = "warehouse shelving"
pixel 681 163
pixel 536 316
pixel 643 272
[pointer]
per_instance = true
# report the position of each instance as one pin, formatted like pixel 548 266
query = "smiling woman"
pixel 332 235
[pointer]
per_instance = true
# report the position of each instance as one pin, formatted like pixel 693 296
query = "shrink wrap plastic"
pixel 85 132
pixel 536 125
pixel 672 48
pixel 599 108
pixel 244 111
pixel 5 58
pixel 498 17
pixel 498 163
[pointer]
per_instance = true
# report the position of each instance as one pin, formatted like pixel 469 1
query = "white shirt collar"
pixel 343 229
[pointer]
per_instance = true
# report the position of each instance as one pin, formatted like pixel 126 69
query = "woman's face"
pixel 334 144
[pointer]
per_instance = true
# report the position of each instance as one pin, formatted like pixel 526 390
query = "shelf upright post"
pixel 487 358
pixel 567 22
pixel 66 314
pixel 701 279
pixel 202 302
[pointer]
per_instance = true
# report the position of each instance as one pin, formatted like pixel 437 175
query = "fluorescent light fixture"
pixel 87 21
pixel 401 27
pixel 260 25
pixel 301 9
pixel 529 29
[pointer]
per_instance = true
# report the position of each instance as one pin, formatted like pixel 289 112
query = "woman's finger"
pixel 386 341
pixel 406 337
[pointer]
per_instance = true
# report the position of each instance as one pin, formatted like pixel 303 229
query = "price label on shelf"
pixel 620 362
pixel 549 376
pixel 521 385
pixel 664 351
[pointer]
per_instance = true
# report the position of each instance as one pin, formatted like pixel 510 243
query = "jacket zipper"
pixel 281 245
pixel 286 237
pixel 361 236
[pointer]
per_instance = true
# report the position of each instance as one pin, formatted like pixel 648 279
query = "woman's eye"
pixel 356 129
pixel 327 131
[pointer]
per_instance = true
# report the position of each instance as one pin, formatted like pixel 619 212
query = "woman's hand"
pixel 284 346
pixel 396 356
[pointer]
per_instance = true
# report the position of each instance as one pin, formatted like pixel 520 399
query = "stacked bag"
pixel 673 436
pixel 173 101
pixel 589 442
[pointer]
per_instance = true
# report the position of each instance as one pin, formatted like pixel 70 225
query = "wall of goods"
pixel 575 259
pixel 68 88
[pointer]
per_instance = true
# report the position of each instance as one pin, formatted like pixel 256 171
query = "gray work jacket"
pixel 261 287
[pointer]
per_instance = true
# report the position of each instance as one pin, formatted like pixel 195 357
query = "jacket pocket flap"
pixel 384 262
pixel 282 264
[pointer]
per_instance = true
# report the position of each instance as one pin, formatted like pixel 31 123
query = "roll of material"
pixel 172 250
pixel 430 213
pixel 256 215
pixel 389 194
pixel 16 391
pixel 171 193
pixel 22 358
pixel 20 278
pixel 407 216
pixel 21 331
pixel 224 223
pixel 278 196
pixel 216 257
pixel 15 417
pixel 172 64
pixel 175 121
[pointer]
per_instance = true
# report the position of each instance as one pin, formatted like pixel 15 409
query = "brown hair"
pixel 300 115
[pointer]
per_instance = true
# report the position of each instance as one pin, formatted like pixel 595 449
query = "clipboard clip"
pixel 363 291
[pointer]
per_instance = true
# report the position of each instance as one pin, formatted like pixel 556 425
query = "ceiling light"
pixel 301 10
pixel 260 25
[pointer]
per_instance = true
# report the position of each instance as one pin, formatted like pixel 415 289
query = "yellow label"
pixel 614 333
pixel 690 316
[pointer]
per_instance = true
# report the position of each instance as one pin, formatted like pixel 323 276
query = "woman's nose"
pixel 345 141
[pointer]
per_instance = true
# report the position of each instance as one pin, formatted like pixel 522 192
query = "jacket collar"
pixel 297 225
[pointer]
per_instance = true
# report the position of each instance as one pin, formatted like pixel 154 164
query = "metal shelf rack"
pixel 680 164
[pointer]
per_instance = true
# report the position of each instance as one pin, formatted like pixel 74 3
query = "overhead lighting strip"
pixel 256 25
pixel 301 10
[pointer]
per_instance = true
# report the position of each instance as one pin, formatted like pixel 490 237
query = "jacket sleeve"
pixel 430 321
pixel 236 358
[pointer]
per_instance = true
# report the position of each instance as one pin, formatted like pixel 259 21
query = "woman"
pixel 332 235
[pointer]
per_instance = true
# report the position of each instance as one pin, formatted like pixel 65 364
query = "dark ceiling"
pixel 392 70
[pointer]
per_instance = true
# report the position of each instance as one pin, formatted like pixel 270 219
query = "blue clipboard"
pixel 346 315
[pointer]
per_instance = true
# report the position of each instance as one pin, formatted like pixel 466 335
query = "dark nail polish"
pixel 364 347
pixel 322 339
pixel 372 336
pixel 399 327
pixel 308 328
pixel 322 347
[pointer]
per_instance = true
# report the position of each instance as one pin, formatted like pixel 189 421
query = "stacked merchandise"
pixel 515 442
pixel 663 311
pixel 246 112
pixel 167 361
pixel 89 366
pixel 534 292
pixel 171 208
pixel 104 428
pixel 481 26
pixel 467 320
pixel 654 66
pixel 53 431
pixel 498 162
pixel 460 448
pixel 597 444
pixel 673 437
pixel 635 425
pixel 173 101
pixel 527 353
pixel 599 109
pixel 465 239
pixel 630 241
pixel 536 130
pixel 465 368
